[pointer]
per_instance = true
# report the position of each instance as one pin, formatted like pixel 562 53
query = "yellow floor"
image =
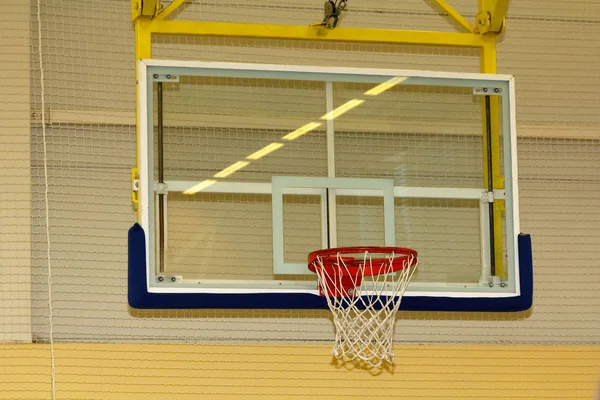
pixel 128 371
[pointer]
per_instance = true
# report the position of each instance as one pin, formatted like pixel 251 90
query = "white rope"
pixel 47 208
pixel 364 320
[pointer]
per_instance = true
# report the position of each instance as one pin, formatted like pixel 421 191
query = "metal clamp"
pixel 161 188
pixel 135 186
pixel 333 12
pixel 487 197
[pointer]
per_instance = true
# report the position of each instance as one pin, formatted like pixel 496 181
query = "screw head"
pixel 160 279
pixel 491 284
pixel 168 76
pixel 496 90
pixel 155 76
pixel 173 279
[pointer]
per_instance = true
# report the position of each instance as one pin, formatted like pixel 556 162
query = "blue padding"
pixel 140 298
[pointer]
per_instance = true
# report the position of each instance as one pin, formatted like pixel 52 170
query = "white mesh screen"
pixel 89 166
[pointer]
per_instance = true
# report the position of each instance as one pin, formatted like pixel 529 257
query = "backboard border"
pixel 325 74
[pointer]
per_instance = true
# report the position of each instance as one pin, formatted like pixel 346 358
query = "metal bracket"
pixel 496 281
pixel 144 8
pixel 333 12
pixel 172 278
pixel 165 78
pixel 135 185
pixel 487 91
pixel 482 22
pixel 161 188
pixel 487 197
pixel 150 7
pixel 491 17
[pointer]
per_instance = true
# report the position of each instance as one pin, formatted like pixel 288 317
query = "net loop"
pixel 363 292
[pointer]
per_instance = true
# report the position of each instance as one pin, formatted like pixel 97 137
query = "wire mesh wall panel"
pixel 88 102
pixel 15 195
pixel 89 182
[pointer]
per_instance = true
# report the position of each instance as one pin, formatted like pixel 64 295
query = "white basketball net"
pixel 364 320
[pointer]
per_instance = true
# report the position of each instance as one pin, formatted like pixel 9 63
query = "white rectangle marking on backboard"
pixel 281 184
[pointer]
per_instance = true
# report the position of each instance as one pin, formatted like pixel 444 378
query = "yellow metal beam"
pixel 149 8
pixel 455 15
pixel 498 15
pixel 168 10
pixel 226 29
pixel 136 9
pixel 143 50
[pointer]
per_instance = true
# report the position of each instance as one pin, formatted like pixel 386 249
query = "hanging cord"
pixel 47 208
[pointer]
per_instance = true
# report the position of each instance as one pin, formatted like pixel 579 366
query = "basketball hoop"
pixel 363 287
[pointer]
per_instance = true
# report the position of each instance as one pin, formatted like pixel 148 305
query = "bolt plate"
pixel 165 78
pixel 487 91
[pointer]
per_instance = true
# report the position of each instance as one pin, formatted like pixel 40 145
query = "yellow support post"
pixel 488 66
pixel 226 29
pixel 143 50
pixel 455 15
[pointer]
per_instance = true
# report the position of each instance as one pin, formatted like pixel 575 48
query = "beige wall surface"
pixel 15 180
pixel 186 372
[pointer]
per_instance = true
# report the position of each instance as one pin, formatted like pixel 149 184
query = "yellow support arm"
pixel 498 15
pixel 226 29
pixel 455 15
